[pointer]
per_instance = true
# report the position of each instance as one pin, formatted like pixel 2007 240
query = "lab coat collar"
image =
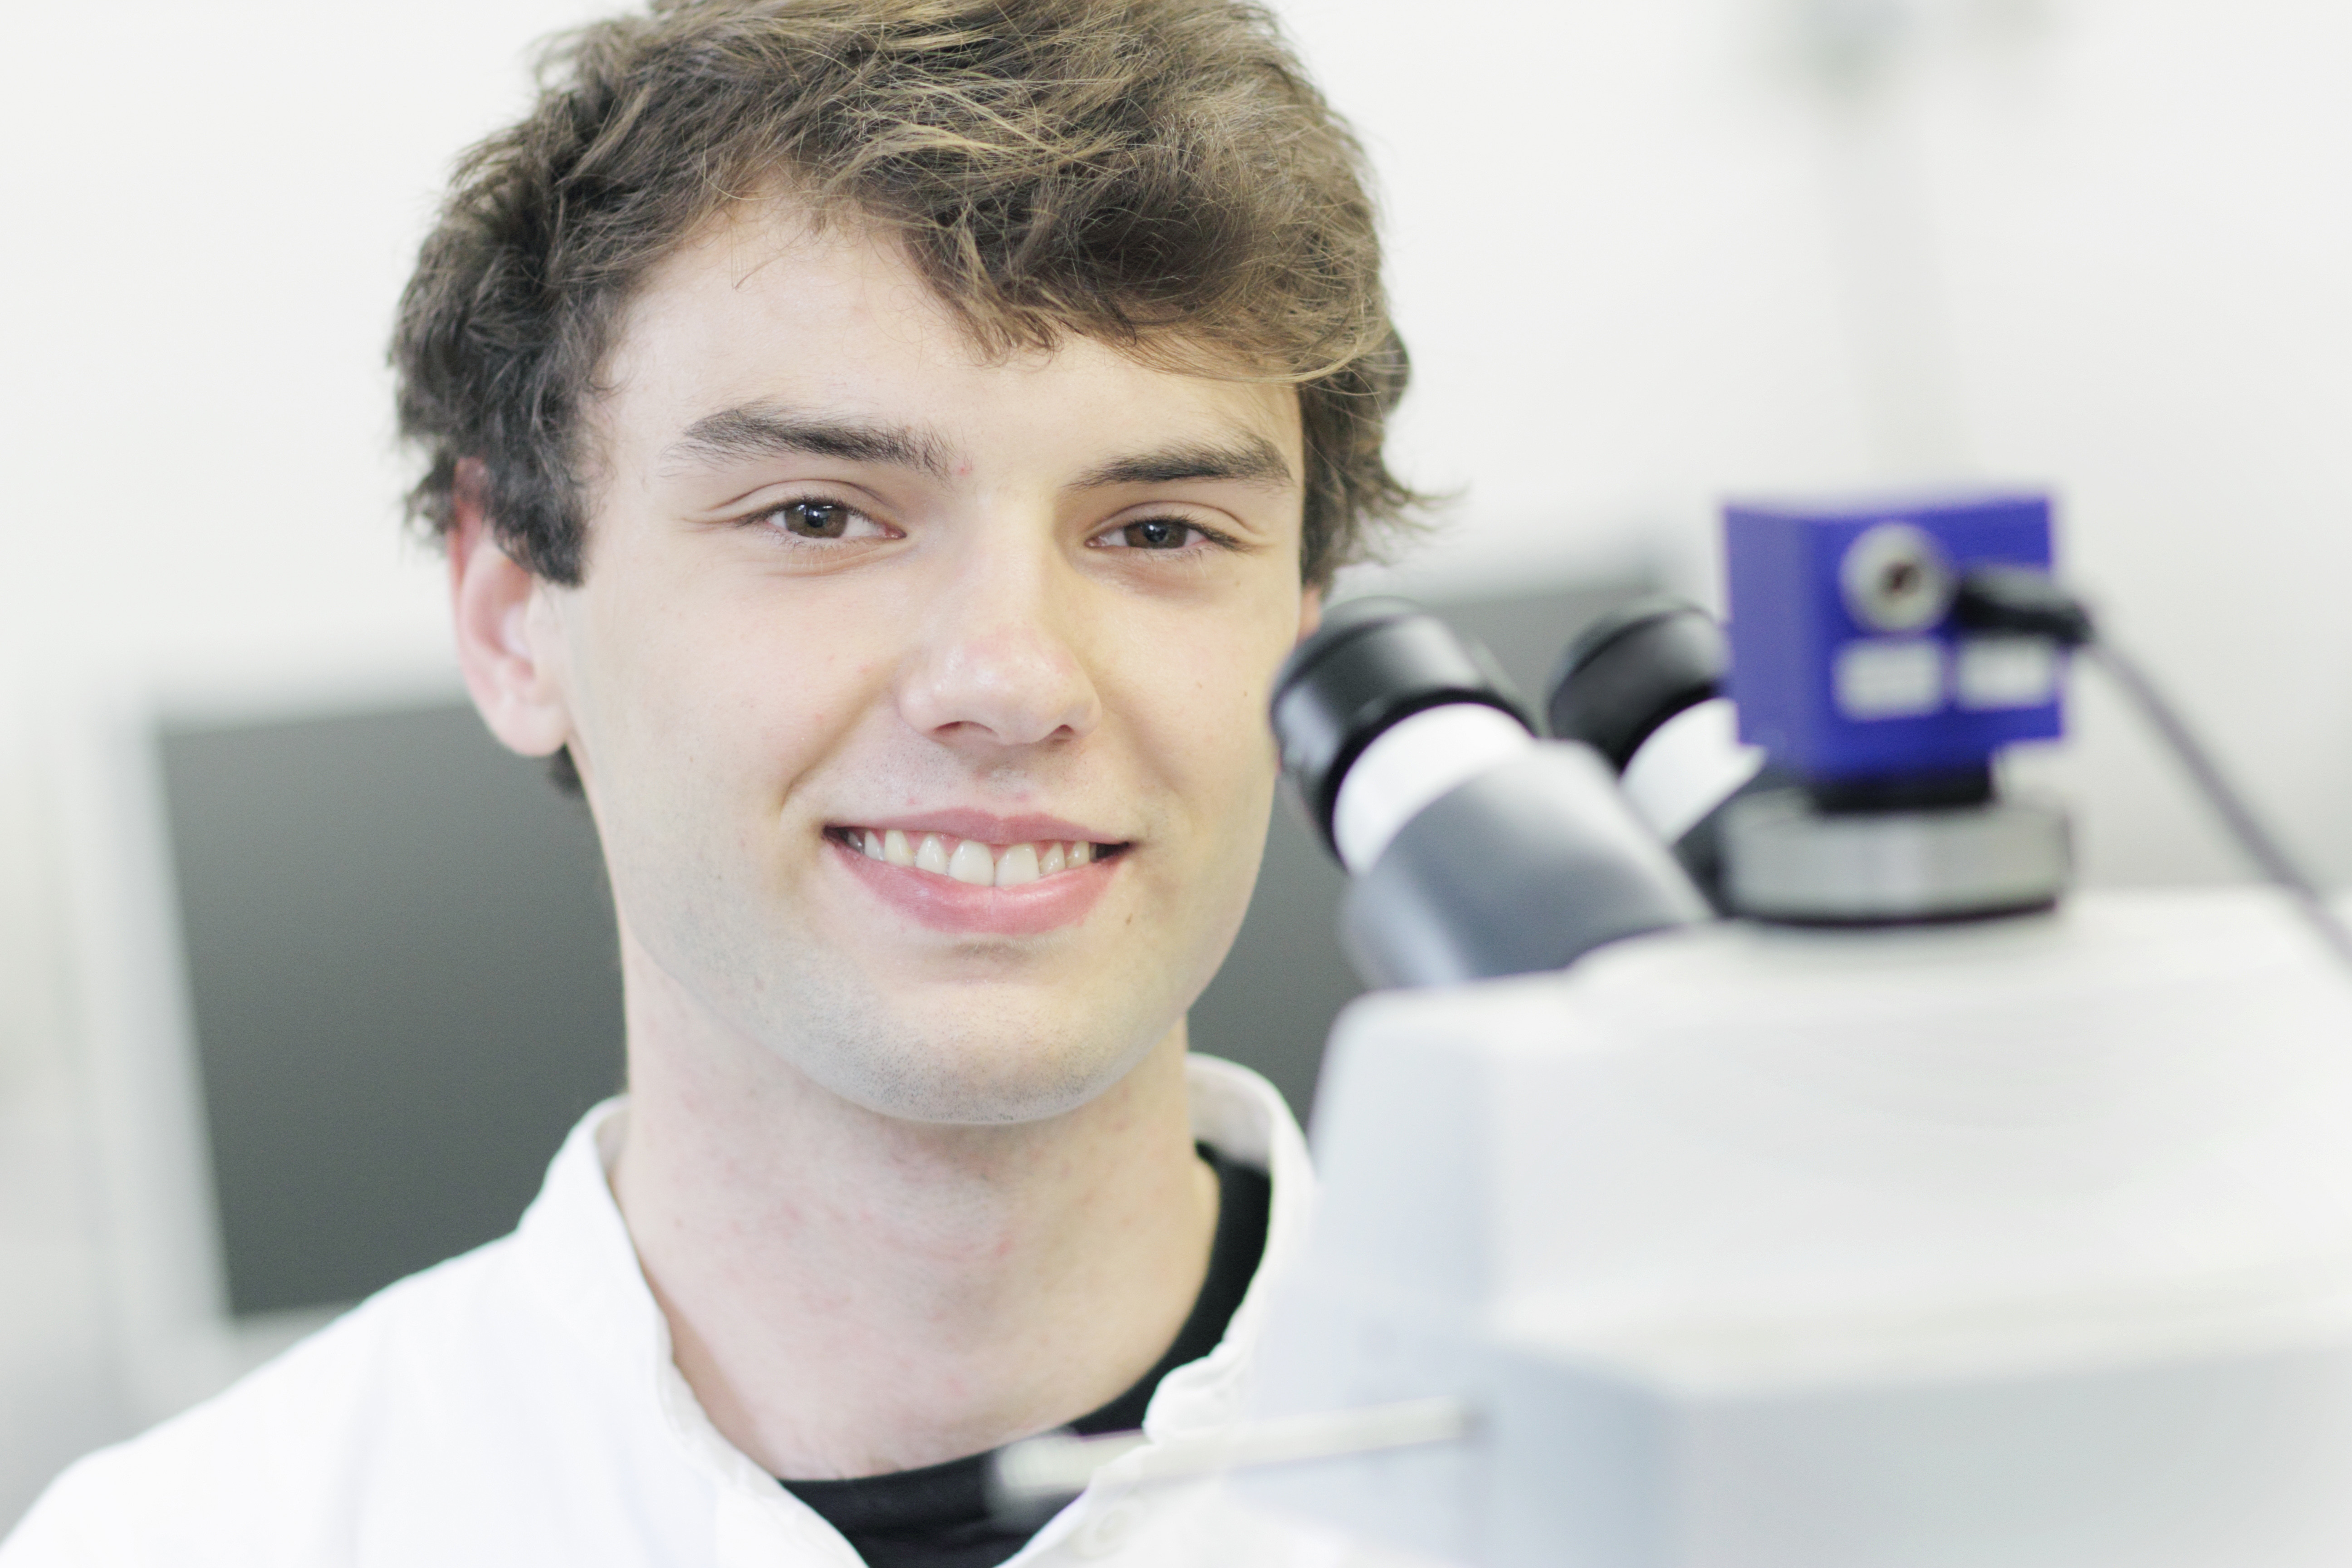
pixel 575 1248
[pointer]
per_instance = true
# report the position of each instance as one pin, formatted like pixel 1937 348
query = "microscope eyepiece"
pixel 1474 850
pixel 1631 671
pixel 1372 664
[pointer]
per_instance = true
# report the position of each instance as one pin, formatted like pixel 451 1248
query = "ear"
pixel 509 643
pixel 1311 611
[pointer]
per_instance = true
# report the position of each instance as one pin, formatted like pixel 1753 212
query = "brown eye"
pixel 814 519
pixel 1156 533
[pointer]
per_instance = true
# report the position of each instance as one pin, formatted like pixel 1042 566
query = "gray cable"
pixel 2236 812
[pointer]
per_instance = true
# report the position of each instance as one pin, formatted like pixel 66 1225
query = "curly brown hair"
pixel 1158 175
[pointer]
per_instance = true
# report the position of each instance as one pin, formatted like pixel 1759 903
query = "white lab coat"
pixel 518 1405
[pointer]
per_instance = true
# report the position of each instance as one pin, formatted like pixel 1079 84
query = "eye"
pixel 1151 533
pixel 814 518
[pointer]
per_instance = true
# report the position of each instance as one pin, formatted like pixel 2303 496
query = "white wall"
pixel 209 211
pixel 1641 262
pixel 1643 259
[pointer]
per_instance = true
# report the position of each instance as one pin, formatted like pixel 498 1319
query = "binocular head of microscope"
pixel 1826 760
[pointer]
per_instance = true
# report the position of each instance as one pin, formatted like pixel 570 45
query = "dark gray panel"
pixel 1272 1003
pixel 401 954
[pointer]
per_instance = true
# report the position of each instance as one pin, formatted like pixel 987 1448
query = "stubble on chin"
pixel 921 1054
pixel 994 1032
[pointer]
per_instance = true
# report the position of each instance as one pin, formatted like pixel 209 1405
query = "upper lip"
pixel 957 822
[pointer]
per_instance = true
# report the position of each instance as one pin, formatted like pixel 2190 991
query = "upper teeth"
pixel 970 861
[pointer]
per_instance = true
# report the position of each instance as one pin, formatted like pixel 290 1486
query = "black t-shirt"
pixel 938 1517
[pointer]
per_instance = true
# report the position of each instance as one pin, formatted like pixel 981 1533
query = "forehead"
pixel 763 305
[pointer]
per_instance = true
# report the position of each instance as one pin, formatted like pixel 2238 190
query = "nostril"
pixel 1015 687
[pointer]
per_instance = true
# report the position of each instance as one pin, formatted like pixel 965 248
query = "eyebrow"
pixel 762 430
pixel 759 430
pixel 1246 458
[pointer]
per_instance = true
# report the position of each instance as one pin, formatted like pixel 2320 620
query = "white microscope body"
pixel 2020 1243
pixel 1987 1229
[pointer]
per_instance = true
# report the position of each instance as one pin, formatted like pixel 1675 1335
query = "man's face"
pixel 854 586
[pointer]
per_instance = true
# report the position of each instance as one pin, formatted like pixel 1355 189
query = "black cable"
pixel 2260 844
pixel 2020 601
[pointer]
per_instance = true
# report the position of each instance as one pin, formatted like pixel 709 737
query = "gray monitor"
pixel 402 983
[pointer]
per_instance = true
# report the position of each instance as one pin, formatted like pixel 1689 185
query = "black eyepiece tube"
pixel 1631 671
pixel 1647 686
pixel 1372 663
pixel 1474 849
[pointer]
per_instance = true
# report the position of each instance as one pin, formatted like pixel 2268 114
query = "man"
pixel 884 448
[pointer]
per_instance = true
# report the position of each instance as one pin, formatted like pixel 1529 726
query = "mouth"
pixel 978 886
pixel 974 862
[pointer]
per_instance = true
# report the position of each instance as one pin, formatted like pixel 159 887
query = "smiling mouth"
pixel 969 861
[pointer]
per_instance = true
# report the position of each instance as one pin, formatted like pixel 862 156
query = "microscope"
pixel 1757 1157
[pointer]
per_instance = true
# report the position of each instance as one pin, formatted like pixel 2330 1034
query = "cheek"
pixel 1197 696
pixel 726 696
pixel 1216 757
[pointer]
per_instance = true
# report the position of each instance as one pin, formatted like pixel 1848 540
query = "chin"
pixel 981 1078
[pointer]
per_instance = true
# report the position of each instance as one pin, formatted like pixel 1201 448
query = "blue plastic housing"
pixel 1797 647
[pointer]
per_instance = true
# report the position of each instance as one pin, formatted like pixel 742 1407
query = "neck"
pixel 849 1293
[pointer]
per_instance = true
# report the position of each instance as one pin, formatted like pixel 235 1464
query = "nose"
pixel 995 665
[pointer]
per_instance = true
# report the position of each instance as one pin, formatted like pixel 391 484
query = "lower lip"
pixel 942 903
